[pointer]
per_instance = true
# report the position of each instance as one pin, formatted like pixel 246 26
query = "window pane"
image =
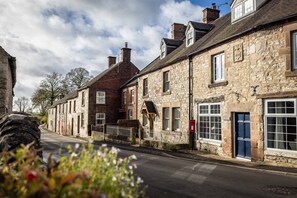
pixel 215 109
pixel 203 109
pixel 295 50
pixel 248 6
pixel 176 119
pixel 238 11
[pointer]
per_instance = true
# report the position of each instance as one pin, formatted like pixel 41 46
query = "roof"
pixel 201 26
pixel 273 12
pixel 172 42
pixel 99 76
pixel 69 96
pixel 150 107
pixel 131 82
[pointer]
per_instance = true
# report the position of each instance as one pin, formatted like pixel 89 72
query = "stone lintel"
pixel 210 100
pixel 287 94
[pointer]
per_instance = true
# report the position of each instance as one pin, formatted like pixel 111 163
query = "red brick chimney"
pixel 178 31
pixel 211 14
pixel 126 53
pixel 111 60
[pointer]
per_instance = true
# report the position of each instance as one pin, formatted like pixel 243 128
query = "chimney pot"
pixel 211 14
pixel 126 44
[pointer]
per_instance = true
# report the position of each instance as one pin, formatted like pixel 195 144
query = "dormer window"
pixel 242 9
pixel 163 50
pixel 190 37
pixel 238 11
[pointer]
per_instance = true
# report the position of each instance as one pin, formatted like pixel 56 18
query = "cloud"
pixel 54 35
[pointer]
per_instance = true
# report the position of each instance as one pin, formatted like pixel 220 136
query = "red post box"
pixel 192 126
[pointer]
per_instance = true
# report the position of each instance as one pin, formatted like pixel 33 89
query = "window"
pixel 100 119
pixel 62 108
pixel 144 120
pixel 238 11
pixel 210 121
pixel 280 124
pixel 132 96
pixel 124 98
pixel 176 119
pixel 166 81
pixel 130 114
pixel 218 62
pixel 82 120
pixel 294 48
pixel 69 106
pixel 248 6
pixel 74 106
pixel 82 98
pixel 190 37
pixel 145 87
pixel 166 118
pixel 163 50
pixel 100 97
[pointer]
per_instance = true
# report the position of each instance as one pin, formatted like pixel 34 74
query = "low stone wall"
pixel 163 145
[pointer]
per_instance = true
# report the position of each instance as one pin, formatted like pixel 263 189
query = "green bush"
pixel 84 173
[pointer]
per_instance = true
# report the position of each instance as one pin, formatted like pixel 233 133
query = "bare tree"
pixel 77 78
pixel 22 104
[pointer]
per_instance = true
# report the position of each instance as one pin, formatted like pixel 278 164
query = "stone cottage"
pixel 244 82
pixel 7 81
pixel 97 102
pixel 235 76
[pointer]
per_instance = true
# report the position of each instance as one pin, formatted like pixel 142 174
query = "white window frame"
pixel 218 67
pixel 130 114
pixel 209 115
pixel 100 97
pixel 190 37
pixel 83 98
pixel 282 115
pixel 175 119
pixel 248 6
pixel 100 116
pixel 294 52
pixel 166 81
pixel 145 87
pixel 144 120
pixel 165 119
pixel 132 95
pixel 238 11
pixel 163 50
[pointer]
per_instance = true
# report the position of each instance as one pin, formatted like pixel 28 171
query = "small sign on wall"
pixel 237 53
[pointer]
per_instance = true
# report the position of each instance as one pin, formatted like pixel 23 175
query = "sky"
pixel 54 35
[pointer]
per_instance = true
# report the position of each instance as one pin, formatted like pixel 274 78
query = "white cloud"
pixel 54 35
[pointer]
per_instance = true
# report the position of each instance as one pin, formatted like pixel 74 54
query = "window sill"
pixel 218 84
pixel 146 96
pixel 209 141
pixel 291 73
pixel 166 93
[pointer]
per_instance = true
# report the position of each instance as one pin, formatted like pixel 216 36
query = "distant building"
pixel 96 103
pixel 7 81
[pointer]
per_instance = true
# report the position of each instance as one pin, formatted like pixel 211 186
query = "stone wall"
pixel 177 97
pixel 260 59
pixel 6 84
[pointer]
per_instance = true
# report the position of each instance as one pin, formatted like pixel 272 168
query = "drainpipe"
pixel 191 117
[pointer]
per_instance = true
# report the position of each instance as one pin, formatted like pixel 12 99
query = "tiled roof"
pixel 201 26
pixel 150 107
pixel 71 95
pixel 273 12
pixel 131 82
pixel 172 42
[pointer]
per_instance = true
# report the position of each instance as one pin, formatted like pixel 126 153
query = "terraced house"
pixel 234 75
pixel 7 81
pixel 96 103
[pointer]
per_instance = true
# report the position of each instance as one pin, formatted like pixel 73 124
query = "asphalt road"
pixel 178 177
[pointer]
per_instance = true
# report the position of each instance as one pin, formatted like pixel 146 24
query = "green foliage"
pixel 84 173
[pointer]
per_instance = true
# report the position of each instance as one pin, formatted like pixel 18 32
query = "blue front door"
pixel 242 135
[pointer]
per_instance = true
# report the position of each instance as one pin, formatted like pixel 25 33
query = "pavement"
pixel 278 168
